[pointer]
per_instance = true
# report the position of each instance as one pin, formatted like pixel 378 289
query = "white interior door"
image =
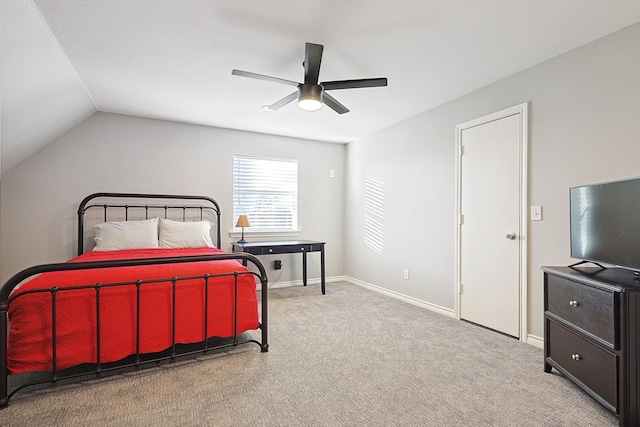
pixel 490 229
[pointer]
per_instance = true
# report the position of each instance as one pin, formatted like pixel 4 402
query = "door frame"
pixel 522 111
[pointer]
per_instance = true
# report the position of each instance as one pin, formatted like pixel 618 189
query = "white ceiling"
pixel 62 60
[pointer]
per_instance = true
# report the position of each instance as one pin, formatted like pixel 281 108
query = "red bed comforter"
pixel 30 336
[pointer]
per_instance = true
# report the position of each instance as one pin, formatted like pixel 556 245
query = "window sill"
pixel 264 234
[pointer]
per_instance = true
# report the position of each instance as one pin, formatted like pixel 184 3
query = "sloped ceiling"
pixel 63 60
pixel 41 95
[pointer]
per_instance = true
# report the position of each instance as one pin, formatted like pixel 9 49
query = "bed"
pixel 154 286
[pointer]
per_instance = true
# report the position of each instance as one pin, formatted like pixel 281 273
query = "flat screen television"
pixel 605 223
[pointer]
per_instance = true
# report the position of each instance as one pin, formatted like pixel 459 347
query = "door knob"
pixel 511 236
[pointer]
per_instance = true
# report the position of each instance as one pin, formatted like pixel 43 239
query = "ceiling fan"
pixel 312 94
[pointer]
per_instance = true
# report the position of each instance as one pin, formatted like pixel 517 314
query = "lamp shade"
pixel 243 221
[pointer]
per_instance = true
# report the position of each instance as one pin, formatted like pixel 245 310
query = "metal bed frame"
pixel 200 205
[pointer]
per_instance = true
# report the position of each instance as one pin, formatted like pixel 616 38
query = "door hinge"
pixel 461 219
pixel 461 288
pixel 462 150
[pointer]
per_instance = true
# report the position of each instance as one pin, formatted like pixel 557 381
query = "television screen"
pixel 605 223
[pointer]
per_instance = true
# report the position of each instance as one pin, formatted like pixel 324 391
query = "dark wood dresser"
pixel 592 334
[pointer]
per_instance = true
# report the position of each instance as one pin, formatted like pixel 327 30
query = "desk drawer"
pixel 290 249
pixel 586 307
pixel 250 250
pixel 591 365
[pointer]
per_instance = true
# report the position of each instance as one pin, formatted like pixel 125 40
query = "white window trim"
pixel 264 234
pixel 248 232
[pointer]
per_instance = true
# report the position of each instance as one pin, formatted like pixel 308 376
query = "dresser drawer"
pixel 586 307
pixel 591 365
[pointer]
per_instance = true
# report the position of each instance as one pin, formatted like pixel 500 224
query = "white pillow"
pixel 176 234
pixel 111 236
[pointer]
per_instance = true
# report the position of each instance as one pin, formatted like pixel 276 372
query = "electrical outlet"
pixel 277 264
pixel 405 274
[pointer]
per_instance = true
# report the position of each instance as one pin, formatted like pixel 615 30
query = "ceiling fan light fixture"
pixel 309 97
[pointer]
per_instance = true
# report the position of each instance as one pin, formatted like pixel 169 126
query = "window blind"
pixel 266 190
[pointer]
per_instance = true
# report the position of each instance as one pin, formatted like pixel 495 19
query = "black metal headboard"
pixel 167 205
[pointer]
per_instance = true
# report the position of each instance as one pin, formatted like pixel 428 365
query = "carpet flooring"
pixel 350 358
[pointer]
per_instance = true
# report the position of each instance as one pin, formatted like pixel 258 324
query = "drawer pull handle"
pixel 576 356
pixel 573 303
pixel 302 249
pixel 270 250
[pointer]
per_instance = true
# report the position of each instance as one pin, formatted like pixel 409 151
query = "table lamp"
pixel 243 222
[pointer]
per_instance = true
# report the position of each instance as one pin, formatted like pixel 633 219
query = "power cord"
pixel 275 281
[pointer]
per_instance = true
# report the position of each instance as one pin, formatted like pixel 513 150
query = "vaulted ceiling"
pixel 64 60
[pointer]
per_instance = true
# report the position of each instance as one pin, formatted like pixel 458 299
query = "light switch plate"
pixel 536 213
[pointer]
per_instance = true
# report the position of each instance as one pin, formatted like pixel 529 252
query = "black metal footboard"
pixel 137 359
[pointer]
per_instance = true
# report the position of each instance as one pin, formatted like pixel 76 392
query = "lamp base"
pixel 242 241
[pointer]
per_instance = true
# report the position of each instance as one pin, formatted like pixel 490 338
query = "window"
pixel 266 190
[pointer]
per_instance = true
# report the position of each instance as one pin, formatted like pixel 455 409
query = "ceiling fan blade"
pixel 353 84
pixel 334 104
pixel 312 60
pixel 263 77
pixel 284 101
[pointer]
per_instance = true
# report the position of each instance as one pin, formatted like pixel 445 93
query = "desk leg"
pixel 304 268
pixel 322 269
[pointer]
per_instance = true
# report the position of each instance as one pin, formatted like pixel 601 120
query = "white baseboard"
pixel 291 283
pixel 414 301
pixel 535 341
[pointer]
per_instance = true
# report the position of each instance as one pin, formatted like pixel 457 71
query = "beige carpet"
pixel 349 358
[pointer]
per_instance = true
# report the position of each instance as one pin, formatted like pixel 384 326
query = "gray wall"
pixel 115 153
pixel 584 120
pixel 584 127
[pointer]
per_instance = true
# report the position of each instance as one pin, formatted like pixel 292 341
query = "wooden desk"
pixel 287 247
